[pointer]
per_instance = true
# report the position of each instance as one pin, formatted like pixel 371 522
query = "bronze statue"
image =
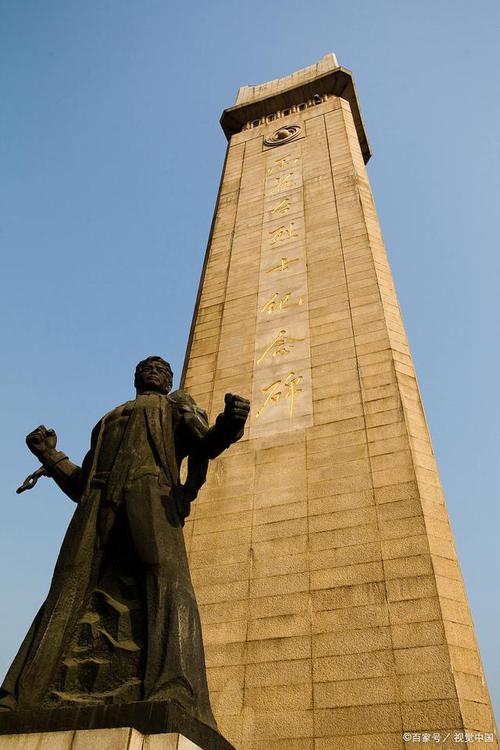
pixel 120 622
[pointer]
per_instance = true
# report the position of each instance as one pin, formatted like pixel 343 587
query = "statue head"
pixel 153 374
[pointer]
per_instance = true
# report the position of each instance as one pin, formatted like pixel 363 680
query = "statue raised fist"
pixel 41 441
pixel 236 409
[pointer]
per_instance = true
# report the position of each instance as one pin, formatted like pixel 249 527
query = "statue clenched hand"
pixel 41 441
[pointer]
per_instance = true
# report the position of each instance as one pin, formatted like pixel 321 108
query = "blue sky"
pixel 111 153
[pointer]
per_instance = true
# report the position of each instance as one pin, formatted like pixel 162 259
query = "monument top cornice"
pixel 254 102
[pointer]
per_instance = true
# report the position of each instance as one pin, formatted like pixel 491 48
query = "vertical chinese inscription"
pixel 282 364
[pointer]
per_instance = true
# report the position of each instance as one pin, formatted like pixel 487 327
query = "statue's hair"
pixel 154 359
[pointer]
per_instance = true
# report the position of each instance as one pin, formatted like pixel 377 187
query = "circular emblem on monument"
pixel 284 135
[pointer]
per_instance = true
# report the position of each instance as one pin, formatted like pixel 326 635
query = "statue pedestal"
pixel 122 738
pixel 127 726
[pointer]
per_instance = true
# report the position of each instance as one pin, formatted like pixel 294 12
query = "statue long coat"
pixel 176 428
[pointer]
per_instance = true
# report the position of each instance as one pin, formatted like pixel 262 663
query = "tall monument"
pixel 333 607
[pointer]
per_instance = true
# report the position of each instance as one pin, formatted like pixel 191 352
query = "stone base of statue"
pixel 127 726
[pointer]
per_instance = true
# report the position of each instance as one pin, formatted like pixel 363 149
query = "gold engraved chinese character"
pixel 283 183
pixel 281 164
pixel 282 207
pixel 273 392
pixel 283 233
pixel 277 302
pixel 282 344
pixel 283 266
pixel 291 388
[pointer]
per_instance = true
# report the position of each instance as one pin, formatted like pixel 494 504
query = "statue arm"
pixel 67 475
pixel 228 428
pixel 200 442
pixel 205 444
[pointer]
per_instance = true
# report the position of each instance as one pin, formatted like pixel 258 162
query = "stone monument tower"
pixel 333 607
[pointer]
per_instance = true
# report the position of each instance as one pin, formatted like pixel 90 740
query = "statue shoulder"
pixel 185 405
pixel 114 413
pixel 182 399
pixel 117 410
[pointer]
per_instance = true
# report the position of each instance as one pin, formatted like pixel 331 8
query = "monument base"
pixel 97 739
pixel 126 726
